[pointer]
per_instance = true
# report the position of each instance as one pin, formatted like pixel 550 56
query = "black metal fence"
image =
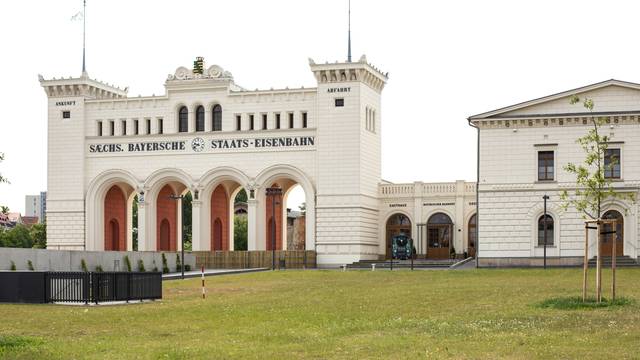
pixel 53 286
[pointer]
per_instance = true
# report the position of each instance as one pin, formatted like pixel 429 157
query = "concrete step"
pixel 622 261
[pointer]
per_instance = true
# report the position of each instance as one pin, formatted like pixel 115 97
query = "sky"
pixel 447 60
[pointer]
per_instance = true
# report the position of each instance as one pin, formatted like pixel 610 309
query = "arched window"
pixel 541 230
pixel 183 122
pixel 200 118
pixel 217 118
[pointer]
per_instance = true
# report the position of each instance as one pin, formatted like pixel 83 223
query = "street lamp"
pixel 544 228
pixel 179 199
pixel 274 193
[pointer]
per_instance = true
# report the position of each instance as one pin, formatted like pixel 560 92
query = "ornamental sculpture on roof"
pixel 213 72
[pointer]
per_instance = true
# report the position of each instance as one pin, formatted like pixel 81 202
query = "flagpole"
pixel 84 24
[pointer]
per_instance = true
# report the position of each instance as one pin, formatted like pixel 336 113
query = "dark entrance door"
pixel 439 236
pixel 607 239
pixel 396 225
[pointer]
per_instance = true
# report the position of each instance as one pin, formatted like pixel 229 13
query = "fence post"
pixel 90 290
pixel 129 278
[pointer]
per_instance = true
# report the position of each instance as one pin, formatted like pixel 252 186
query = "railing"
pixel 54 286
pixel 412 189
pixel 289 259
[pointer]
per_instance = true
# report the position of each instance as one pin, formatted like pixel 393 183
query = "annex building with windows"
pixel 212 138
pixel 523 150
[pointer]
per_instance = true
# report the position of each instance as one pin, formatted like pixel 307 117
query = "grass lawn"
pixel 343 315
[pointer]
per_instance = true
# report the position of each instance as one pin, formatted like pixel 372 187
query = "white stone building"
pixel 36 206
pixel 212 137
pixel 523 149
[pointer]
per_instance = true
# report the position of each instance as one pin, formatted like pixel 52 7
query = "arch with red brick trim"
pixel 98 228
pixel 166 219
pixel 286 176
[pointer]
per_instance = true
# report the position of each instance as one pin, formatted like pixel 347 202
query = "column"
pixel 252 225
pixel 143 244
pixel 417 217
pixel 207 120
pixel 459 222
pixel 191 120
pixel 196 241
pixel 179 225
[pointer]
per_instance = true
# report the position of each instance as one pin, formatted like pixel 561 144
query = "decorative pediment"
pixel 611 96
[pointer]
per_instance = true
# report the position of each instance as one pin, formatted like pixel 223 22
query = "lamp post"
pixel 179 200
pixel 544 228
pixel 273 193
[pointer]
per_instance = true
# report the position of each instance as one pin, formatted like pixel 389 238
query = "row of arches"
pixel 439 235
pixel 115 196
pixel 216 118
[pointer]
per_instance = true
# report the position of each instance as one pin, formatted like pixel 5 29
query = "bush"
pixel 187 267
pixel 30 265
pixel 178 263
pixel 127 262
pixel 452 252
pixel 13 266
pixel 141 266
pixel 98 268
pixel 165 267
pixel 576 303
pixel 83 265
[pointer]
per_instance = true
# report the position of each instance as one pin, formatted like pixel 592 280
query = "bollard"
pixel 203 281
pixel 373 267
pixel 344 267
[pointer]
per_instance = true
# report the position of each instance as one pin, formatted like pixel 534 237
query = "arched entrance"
pixel 472 236
pixel 607 239
pixel 274 210
pixel 115 220
pixel 396 224
pixel 439 236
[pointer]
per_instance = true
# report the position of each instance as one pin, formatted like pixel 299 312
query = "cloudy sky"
pixel 446 60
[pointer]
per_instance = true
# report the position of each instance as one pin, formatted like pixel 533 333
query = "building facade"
pixel 522 153
pixel 36 206
pixel 211 137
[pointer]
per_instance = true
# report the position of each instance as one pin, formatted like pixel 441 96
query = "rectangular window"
pixel 545 165
pixel 66 114
pixel 135 127
pixel 278 121
pixel 148 126
pixel 238 122
pixel 339 102
pixel 612 164
pixel 264 121
pixel 124 127
pixel 160 126
pixel 290 120
pixel 112 128
pixel 304 120
pixel 251 122
pixel 99 128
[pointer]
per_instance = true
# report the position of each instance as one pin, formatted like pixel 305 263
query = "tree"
pixel 187 200
pixel 241 197
pixel 240 232
pixel 38 235
pixel 18 237
pixel 2 179
pixel 4 209
pixel 303 208
pixel 592 186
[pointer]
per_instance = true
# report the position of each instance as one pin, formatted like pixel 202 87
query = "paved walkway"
pixel 209 272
